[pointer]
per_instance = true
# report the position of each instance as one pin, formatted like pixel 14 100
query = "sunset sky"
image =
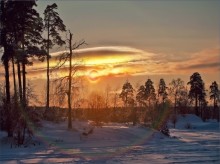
pixel 136 40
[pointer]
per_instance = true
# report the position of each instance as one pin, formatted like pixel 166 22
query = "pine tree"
pixel 127 94
pixel 140 97
pixel 52 24
pixel 27 33
pixel 162 90
pixel 149 92
pixel 197 90
pixel 6 41
pixel 22 33
pixel 6 44
pixel 214 93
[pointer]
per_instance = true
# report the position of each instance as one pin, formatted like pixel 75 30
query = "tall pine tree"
pixel 149 92
pixel 197 90
pixel 162 90
pixel 140 97
pixel 214 93
pixel 53 24
pixel 127 94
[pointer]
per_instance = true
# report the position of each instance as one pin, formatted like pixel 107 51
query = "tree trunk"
pixel 14 79
pixel 24 84
pixel 70 82
pixel 196 106
pixel 115 100
pixel 134 115
pixel 175 105
pixel 19 80
pixel 23 133
pixel 8 100
pixel 19 136
pixel 7 81
pixel 214 105
pixel 48 85
pixel 23 74
pixel 48 67
pixel 126 101
pixel 163 103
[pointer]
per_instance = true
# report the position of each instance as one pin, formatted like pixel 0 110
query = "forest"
pixel 27 38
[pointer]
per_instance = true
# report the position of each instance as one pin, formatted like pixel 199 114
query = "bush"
pixel 165 131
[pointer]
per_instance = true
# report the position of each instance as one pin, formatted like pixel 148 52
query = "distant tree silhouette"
pixel 96 100
pixel 197 90
pixel 215 96
pixel 140 97
pixel 96 103
pixel 115 98
pixel 150 92
pixel 162 90
pixel 214 93
pixel 127 94
pixel 183 100
pixel 107 90
pixel 52 24
pixel 176 89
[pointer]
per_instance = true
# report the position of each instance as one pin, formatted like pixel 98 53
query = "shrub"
pixel 165 130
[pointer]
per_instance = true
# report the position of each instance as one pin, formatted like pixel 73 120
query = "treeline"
pixel 145 103
pixel 175 92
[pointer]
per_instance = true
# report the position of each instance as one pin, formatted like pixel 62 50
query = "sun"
pixel 93 76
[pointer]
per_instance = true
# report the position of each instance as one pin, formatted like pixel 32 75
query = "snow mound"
pixel 191 121
pixel 189 118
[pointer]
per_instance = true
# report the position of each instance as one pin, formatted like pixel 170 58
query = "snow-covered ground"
pixel 119 143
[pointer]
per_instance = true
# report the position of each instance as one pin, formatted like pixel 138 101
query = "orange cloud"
pixel 105 60
pixel 207 61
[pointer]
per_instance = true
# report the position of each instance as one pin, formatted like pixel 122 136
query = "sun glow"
pixel 93 76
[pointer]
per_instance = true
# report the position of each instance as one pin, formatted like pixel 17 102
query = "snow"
pixel 118 143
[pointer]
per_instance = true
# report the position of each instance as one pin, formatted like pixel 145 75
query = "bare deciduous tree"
pixel 175 90
pixel 66 83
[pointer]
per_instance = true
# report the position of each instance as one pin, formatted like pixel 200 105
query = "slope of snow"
pixel 118 143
